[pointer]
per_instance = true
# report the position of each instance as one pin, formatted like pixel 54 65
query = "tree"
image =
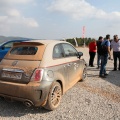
pixel 80 41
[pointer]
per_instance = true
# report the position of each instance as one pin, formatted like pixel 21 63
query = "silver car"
pixel 39 72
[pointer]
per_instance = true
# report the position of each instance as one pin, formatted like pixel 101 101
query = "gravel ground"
pixel 93 99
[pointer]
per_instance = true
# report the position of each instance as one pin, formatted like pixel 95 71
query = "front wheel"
pixel 54 96
pixel 84 75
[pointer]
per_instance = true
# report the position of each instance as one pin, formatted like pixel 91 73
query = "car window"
pixel 8 45
pixel 24 50
pixel 69 50
pixel 57 52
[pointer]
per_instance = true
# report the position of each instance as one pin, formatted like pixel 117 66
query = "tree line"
pixel 80 41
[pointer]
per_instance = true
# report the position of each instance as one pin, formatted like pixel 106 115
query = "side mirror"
pixel 2 47
pixel 79 54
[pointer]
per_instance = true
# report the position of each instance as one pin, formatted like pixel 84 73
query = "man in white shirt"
pixel 115 45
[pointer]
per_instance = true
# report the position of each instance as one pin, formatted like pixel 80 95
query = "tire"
pixel 84 75
pixel 54 96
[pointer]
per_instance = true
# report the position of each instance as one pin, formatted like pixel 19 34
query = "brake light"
pixel 37 75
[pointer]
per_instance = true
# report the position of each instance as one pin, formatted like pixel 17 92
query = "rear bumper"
pixel 34 93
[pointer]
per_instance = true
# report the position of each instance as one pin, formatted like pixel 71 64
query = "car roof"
pixel 39 42
pixel 45 42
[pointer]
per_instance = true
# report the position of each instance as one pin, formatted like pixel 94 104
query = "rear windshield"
pixel 24 50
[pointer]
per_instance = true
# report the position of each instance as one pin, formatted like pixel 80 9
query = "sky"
pixel 59 19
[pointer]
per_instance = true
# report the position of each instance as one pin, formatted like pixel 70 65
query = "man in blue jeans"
pixel 104 57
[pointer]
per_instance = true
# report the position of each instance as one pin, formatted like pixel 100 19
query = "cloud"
pixel 80 9
pixel 15 1
pixel 10 16
pixel 14 13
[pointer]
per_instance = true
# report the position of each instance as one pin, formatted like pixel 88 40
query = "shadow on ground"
pixel 113 76
pixel 17 109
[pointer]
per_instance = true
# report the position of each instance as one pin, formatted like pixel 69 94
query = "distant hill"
pixel 4 38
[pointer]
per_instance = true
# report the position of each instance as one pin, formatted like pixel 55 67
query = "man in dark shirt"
pixel 99 51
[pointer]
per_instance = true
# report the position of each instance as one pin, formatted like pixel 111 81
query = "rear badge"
pixel 14 63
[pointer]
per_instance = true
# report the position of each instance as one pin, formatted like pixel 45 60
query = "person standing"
pixel 99 51
pixel 104 57
pixel 92 52
pixel 115 45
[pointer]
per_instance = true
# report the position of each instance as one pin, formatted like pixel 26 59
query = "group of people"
pixel 104 55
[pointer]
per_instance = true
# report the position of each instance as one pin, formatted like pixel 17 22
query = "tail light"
pixel 37 75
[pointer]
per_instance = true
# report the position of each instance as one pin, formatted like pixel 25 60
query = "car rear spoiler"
pixel 27 43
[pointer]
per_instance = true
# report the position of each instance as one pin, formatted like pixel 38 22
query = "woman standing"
pixel 92 52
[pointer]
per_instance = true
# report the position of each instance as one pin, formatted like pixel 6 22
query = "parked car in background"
pixel 5 47
pixel 39 72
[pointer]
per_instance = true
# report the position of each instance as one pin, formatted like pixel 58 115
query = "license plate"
pixel 12 75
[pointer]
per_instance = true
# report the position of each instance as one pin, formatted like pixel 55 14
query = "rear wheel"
pixel 54 96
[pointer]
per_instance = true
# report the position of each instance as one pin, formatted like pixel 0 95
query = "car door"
pixel 73 63
pixel 60 69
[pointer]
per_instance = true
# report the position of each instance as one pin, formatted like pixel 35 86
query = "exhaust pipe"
pixel 28 103
pixel 2 98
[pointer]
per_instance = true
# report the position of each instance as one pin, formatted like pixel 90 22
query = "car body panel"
pixel 26 68
pixel 25 92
